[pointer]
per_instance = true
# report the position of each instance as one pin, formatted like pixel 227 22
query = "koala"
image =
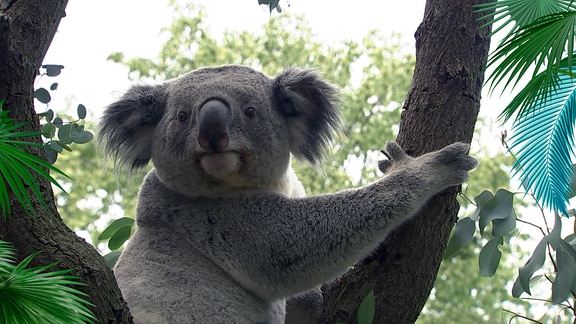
pixel 224 232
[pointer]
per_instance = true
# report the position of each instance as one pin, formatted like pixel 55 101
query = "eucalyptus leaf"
pixel 51 156
pixel 82 137
pixel 81 111
pixel 111 258
pixel 64 134
pixel 499 207
pixel 533 264
pixel 517 289
pixel 119 237
pixel 554 238
pixel 367 308
pixel 58 122
pixel 49 114
pixel 566 266
pixel 54 86
pixel 490 257
pixel 48 130
pixel 501 227
pixel 53 70
pixel 480 201
pixel 42 95
pixel 114 226
pixel 463 234
pixel 55 146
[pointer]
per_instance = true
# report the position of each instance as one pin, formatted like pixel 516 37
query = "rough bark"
pixel 26 30
pixel 441 108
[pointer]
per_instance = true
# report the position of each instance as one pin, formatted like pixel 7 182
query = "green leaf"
pixel 554 238
pixel 114 226
pixel 499 207
pixel 54 86
pixel 53 70
pixel 42 95
pixel 51 156
pixel 501 227
pixel 111 258
pixel 58 122
pixel 49 114
pixel 367 309
pixel 564 281
pixel 55 146
pixel 82 137
pixel 17 167
pixel 535 262
pixel 64 134
pixel 48 130
pixel 463 234
pixel 541 42
pixel 544 141
pixel 519 13
pixel 572 192
pixel 33 295
pixel 490 257
pixel 81 111
pixel 119 237
pixel 480 200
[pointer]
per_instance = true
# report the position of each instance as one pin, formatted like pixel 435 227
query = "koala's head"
pixel 218 130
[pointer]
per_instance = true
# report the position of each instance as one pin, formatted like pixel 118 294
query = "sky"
pixel 93 29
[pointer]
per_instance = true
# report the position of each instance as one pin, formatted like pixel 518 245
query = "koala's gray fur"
pixel 224 234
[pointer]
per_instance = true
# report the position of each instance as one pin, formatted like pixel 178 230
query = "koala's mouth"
pixel 220 164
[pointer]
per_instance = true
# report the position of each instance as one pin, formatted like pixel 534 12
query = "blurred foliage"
pixel 95 191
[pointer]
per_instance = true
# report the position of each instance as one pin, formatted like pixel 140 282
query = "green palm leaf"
pixel 535 47
pixel 17 167
pixel 541 31
pixel 544 141
pixel 32 295
pixel 519 13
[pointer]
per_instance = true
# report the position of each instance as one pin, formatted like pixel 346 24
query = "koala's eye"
pixel 250 112
pixel 182 116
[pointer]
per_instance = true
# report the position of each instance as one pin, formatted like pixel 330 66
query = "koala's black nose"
pixel 213 122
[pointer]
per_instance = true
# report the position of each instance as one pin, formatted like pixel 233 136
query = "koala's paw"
pixel 448 166
pixel 440 169
pixel 456 158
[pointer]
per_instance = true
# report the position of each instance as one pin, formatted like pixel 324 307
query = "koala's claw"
pixel 383 165
pixel 393 153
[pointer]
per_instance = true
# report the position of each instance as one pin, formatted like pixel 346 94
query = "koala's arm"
pixel 277 246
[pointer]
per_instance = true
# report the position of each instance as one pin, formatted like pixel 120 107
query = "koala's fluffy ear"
pixel 310 106
pixel 127 126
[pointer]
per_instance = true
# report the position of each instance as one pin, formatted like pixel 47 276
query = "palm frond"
pixel 32 295
pixel 17 167
pixel 533 48
pixel 544 140
pixel 519 13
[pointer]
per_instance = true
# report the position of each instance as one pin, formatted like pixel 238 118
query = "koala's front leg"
pixel 308 241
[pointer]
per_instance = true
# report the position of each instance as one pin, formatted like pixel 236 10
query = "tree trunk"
pixel 441 108
pixel 26 30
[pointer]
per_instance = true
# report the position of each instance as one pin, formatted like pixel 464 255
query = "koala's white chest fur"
pixel 166 274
